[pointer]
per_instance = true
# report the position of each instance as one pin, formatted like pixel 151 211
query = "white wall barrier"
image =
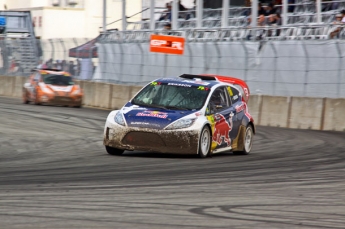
pixel 277 111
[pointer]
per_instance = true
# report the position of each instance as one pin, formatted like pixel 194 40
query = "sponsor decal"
pixel 196 82
pixel 235 97
pixel 222 129
pixel 246 91
pixel 155 114
pixel 240 108
pixel 203 88
pixel 167 44
pixel 180 84
pixel 230 91
pixel 140 123
pixel 155 83
pixel 197 114
pixel 243 107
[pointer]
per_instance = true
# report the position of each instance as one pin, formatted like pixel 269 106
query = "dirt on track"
pixel 55 173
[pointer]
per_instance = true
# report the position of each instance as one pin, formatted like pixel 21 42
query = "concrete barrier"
pixel 305 113
pixel 102 97
pixel 274 111
pixel 18 86
pixel 89 89
pixel 334 118
pixel 2 88
pixel 120 95
pixel 255 104
pixel 6 85
pixel 291 112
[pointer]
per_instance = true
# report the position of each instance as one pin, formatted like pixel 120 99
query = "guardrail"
pixel 278 111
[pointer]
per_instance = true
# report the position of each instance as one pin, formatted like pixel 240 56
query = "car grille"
pixel 62 99
pixel 143 139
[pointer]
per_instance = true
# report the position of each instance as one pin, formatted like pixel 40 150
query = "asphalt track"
pixel 55 173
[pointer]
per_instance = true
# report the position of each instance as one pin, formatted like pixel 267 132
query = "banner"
pixel 167 44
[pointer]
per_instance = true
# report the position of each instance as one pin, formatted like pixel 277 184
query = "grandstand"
pixel 302 20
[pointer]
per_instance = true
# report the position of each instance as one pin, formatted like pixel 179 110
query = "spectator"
pixel 261 10
pixel 261 20
pixel 291 8
pixel 167 26
pixel 166 14
pixel 270 9
pixel 336 30
pixel 39 66
pixel 181 7
pixel 71 67
pixel 278 19
pixel 274 20
pixel 343 13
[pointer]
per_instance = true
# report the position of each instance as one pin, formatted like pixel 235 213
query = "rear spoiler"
pixel 226 79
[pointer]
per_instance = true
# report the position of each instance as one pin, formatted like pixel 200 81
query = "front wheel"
pixel 25 98
pixel 114 151
pixel 204 142
pixel 248 141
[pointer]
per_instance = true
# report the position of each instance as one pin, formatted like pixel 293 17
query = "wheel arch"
pixel 253 126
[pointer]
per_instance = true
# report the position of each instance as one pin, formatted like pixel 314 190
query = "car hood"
pixel 153 118
pixel 62 88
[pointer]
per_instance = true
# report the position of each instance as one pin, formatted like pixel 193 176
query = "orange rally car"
pixel 52 86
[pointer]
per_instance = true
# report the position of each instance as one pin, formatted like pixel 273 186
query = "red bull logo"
pixel 222 129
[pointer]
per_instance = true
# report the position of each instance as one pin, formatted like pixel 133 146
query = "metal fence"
pixel 300 63
pixel 290 67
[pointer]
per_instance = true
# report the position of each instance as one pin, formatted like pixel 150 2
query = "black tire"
pixel 25 100
pixel 205 142
pixel 247 141
pixel 114 151
pixel 25 97
pixel 36 101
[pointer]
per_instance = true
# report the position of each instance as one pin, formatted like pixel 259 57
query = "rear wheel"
pixel 205 142
pixel 114 151
pixel 248 141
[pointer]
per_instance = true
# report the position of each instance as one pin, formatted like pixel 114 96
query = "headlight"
pixel 76 92
pixel 183 123
pixel 119 119
pixel 45 89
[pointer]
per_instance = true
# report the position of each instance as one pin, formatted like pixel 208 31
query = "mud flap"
pixel 238 142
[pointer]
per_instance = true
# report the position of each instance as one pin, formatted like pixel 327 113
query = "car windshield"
pixel 58 80
pixel 177 96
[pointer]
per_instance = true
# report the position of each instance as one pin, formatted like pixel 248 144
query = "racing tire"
pixel 247 141
pixel 114 151
pixel 37 101
pixel 25 99
pixel 205 142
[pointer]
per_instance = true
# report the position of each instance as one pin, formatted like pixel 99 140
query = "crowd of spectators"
pixel 73 67
pixel 339 20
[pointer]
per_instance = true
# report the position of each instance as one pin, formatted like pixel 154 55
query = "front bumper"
pixel 183 141
pixel 62 100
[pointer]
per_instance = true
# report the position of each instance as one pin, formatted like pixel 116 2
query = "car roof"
pixel 193 81
pixel 52 70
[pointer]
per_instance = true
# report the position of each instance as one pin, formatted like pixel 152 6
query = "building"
pixel 72 18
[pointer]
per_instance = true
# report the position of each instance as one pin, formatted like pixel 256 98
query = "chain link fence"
pixel 311 68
